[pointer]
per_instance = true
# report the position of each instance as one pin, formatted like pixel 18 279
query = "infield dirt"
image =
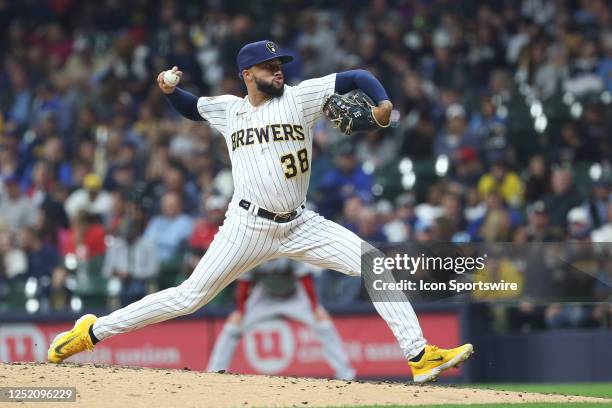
pixel 108 386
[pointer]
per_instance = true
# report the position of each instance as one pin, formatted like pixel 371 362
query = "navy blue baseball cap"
pixel 258 52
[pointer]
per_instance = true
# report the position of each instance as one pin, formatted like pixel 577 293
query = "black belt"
pixel 276 217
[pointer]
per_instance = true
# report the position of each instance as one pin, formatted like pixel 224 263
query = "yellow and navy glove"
pixel 352 113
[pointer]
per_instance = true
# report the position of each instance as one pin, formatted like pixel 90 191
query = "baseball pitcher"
pixel 279 288
pixel 269 138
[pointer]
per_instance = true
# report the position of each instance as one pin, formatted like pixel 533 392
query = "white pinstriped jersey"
pixel 270 145
pixel 270 148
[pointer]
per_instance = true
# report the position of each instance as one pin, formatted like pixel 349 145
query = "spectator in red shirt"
pixel 85 238
pixel 207 226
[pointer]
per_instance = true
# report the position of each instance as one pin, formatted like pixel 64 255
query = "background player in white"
pixel 269 137
pixel 279 288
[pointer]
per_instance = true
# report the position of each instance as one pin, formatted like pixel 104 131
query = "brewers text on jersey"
pixel 279 132
pixel 271 181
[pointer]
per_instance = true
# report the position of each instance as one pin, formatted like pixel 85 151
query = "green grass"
pixel 531 405
pixel 602 390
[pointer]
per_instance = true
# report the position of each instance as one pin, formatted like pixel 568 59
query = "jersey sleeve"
pixel 214 110
pixel 312 93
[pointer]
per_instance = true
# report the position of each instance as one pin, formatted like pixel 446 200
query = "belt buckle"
pixel 283 216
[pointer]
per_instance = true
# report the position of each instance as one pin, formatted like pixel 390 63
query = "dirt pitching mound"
pixel 108 386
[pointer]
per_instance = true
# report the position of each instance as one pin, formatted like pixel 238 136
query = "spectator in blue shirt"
pixel 169 229
pixel 605 65
pixel 345 179
pixel 42 259
pixel 455 134
pixel 490 129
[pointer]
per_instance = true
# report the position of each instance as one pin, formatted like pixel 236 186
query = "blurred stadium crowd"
pixel 502 133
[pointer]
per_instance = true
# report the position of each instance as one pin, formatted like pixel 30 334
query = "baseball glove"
pixel 351 113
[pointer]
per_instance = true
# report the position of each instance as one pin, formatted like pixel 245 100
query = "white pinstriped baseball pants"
pixel 245 241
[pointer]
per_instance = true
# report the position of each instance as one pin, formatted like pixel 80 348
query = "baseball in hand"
pixel 171 79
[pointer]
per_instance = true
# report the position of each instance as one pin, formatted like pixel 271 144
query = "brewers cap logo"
pixel 271 47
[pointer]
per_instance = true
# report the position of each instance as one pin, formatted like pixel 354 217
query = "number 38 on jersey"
pixel 292 163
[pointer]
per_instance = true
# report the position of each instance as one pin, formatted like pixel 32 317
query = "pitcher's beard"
pixel 269 88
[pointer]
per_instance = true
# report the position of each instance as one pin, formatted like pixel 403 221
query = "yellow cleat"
pixel 436 360
pixel 71 342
